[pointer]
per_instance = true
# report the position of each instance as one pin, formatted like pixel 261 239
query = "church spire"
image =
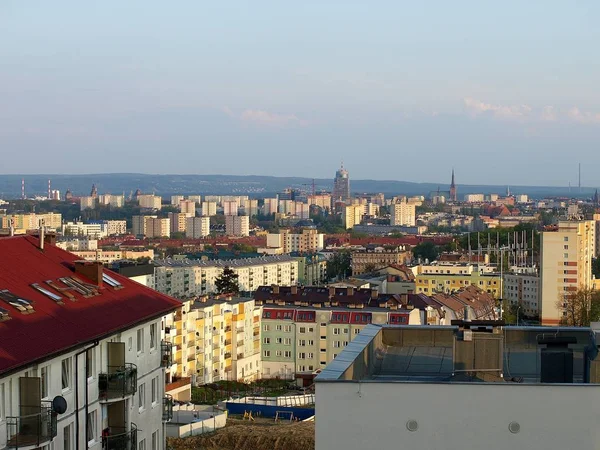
pixel 453 197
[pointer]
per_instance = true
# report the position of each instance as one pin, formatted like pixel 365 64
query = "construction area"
pixel 255 434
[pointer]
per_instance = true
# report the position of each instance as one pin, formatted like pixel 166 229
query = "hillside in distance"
pixel 252 185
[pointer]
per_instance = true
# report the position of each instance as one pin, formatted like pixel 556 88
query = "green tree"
pixel 581 306
pixel 339 266
pixel 426 250
pixel 596 267
pixel 227 282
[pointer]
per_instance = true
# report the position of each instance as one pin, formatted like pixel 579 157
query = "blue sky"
pixel 506 92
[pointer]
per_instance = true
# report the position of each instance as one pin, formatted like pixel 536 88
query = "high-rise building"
pixel 87 203
pixel 453 197
pixel 352 215
pixel 188 207
pixel 230 207
pixel 209 209
pixel 138 225
pixel 178 222
pixel 237 225
pixel 270 206
pixel 566 266
pixel 149 201
pixel 341 185
pixel 195 198
pixel 175 199
pixel 403 214
pixel 156 228
pixel 197 227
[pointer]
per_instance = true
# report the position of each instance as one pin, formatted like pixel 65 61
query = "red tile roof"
pixel 54 328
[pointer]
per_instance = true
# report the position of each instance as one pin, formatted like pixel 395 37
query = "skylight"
pixel 57 298
pixel 111 281
pixel 19 303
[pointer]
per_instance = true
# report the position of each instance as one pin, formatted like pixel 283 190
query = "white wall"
pixel 456 416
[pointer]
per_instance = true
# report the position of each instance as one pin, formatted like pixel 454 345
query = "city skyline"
pixel 412 89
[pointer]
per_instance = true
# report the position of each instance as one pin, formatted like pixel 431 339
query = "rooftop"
pixel 258 261
pixel 467 352
pixel 47 307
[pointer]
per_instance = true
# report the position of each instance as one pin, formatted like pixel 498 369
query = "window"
pixel 152 336
pixel 311 342
pixel 155 440
pixel 278 353
pixel 301 355
pixel 288 329
pixel 154 390
pixel 323 324
pixel 67 436
pixel 345 343
pixel 288 341
pixel 90 362
pixel 142 396
pixel 301 343
pixel 278 327
pixel 302 329
pixel 266 340
pixel 66 373
pixel 265 327
pixel 566 238
pixel 337 344
pixel 345 330
pixel 140 340
pixel 279 340
pixel 142 445
pixel 566 255
pixel 336 331
pixel 267 353
pixel 130 343
pixel 311 330
pixel 287 354
pixel 311 355
pixel 91 425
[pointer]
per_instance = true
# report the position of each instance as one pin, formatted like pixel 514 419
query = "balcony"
pixel 191 358
pixel 119 382
pixel 227 328
pixel 167 414
pixel 227 355
pixel 227 342
pixel 215 359
pixel 191 344
pixel 120 439
pixel 166 354
pixel 33 429
pixel 239 330
pixel 240 356
pixel 216 332
pixel 240 343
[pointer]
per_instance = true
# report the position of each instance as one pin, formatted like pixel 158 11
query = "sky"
pixel 504 92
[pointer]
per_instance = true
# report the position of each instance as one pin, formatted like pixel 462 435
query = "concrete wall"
pixel 207 425
pixel 456 416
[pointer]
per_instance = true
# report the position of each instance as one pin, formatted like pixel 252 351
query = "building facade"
pixel 403 214
pixel 237 226
pixel 341 185
pixel 197 227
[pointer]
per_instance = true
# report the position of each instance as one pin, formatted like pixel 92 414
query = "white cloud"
pixel 477 107
pixel 265 118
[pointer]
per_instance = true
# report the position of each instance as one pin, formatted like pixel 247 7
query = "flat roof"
pixel 258 261
pixel 436 354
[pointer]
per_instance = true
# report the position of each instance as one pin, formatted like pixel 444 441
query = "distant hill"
pixel 252 185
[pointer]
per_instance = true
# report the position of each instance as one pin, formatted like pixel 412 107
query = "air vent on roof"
pixel 111 281
pixel 57 298
pixel 20 304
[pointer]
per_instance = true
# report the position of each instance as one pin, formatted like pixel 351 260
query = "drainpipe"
pixel 85 350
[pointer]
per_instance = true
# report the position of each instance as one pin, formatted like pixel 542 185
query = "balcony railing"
pixel 119 438
pixel 227 355
pixel 119 382
pixel 240 356
pixel 167 408
pixel 191 358
pixel 227 328
pixel 32 429
pixel 166 354
pixel 239 330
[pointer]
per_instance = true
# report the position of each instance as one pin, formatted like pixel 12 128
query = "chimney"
pixel 294 290
pixel 41 235
pixel 92 270
pixel 275 288
pixel 350 291
pixel 12 227
pixel 50 238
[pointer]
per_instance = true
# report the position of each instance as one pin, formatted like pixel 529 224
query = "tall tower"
pixel 341 185
pixel 453 189
pixel 94 192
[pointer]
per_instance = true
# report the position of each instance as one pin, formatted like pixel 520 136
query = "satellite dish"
pixel 59 404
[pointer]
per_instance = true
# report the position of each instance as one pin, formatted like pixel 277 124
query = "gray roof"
pixel 245 262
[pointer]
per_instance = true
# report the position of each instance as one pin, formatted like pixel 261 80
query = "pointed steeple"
pixel 453 197
pixel 452 183
pixel 596 198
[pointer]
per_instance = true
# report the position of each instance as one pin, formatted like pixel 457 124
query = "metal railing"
pixel 31 429
pixel 166 354
pixel 118 438
pixel 227 355
pixel 118 382
pixel 167 408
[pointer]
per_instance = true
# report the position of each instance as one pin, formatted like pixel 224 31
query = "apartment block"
pixel 184 278
pixel 114 201
pixel 187 207
pixel 251 207
pixel 237 225
pixel 566 265
pixel 158 227
pixel 270 206
pixel 323 201
pixel 403 214
pixel 231 207
pixel 352 215
pixel 139 224
pixel 87 203
pixel 375 257
pixel 430 283
pixel 304 329
pixel 176 199
pixel 307 240
pixel 197 199
pixel 149 201
pixel 93 340
pixel 178 222
pixel 197 227
pixel 209 209
pixel 523 289
pixel 24 222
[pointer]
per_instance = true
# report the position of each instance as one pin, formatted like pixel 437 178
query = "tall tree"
pixel 425 250
pixel 581 307
pixel 227 282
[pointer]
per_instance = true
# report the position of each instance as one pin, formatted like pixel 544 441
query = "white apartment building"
pixel 87 203
pixel 178 222
pixel 116 227
pixel 251 207
pixel 197 199
pixel 109 372
pixel 187 207
pixel 158 227
pixel 185 278
pixel 237 225
pixel 139 224
pixel 115 201
pixel 176 199
pixel 230 207
pixel 149 201
pixel 403 214
pixel 352 215
pixel 79 229
pixel 78 244
pixel 197 227
pixel 270 206
pixel 523 289
pixel 474 198
pixel 566 265
pixel 306 241
pixel 209 209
